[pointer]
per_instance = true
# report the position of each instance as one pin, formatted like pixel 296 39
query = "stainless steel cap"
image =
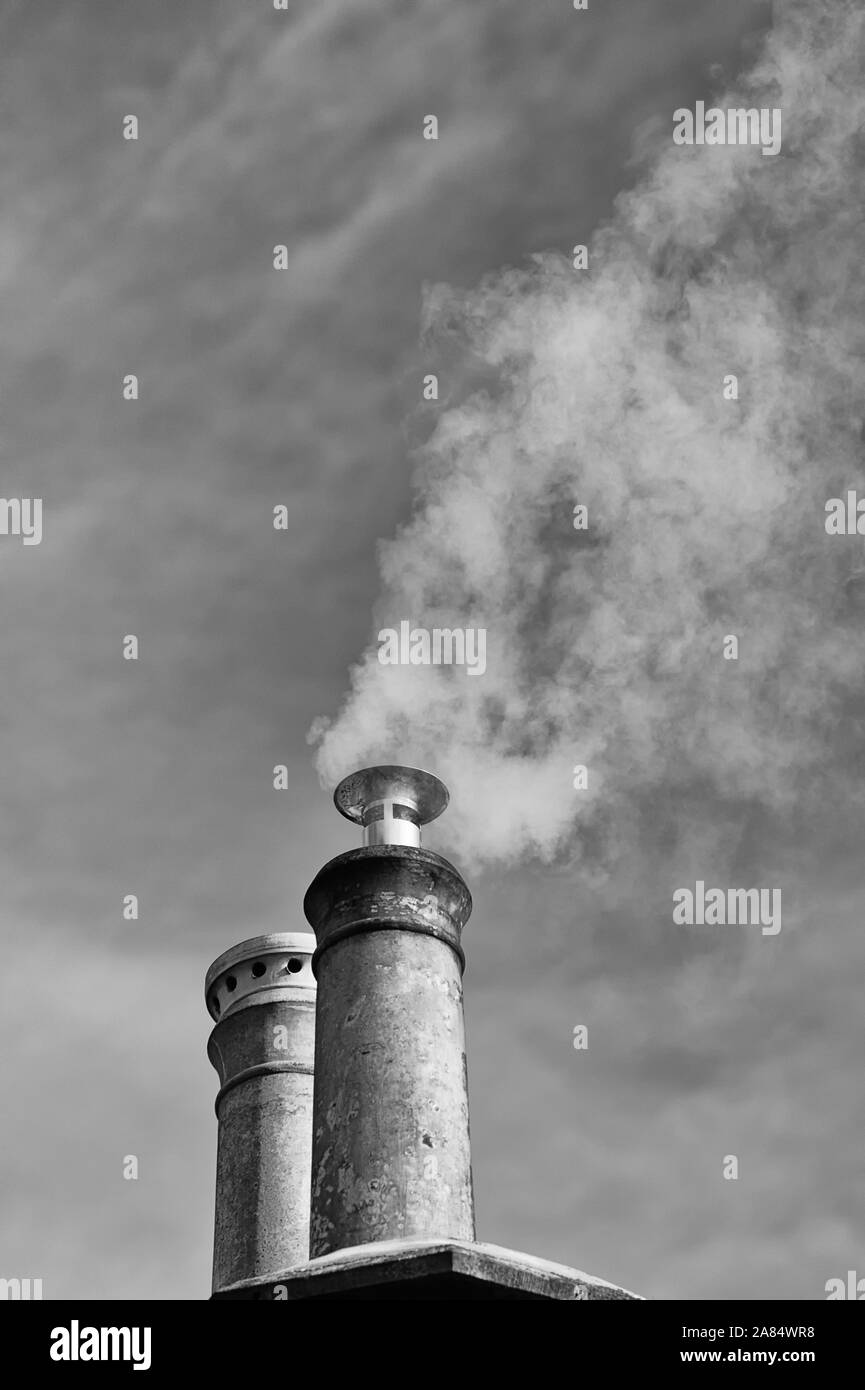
pixel 391 803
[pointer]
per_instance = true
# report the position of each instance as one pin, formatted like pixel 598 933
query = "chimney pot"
pixel 391 1157
pixel 262 995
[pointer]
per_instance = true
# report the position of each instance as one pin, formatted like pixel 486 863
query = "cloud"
pixel 706 515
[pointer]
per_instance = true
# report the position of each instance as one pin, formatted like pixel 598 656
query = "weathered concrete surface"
pixel 430 1269
pixel 391 1156
pixel 262 1048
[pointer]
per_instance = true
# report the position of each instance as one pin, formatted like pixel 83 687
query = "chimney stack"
pixel 390 1149
pixel 357 1184
pixel 262 995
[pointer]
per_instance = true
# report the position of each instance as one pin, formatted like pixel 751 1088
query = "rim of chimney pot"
pixel 233 975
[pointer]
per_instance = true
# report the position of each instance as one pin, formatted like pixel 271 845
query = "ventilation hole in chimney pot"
pixel 230 982
pixel 294 965
pixel 258 969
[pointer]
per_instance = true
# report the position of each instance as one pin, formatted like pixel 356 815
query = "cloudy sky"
pixel 301 387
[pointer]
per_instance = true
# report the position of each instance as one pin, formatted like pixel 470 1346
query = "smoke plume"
pixel 605 387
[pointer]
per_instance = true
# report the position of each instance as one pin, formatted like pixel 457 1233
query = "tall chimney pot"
pixel 391 1157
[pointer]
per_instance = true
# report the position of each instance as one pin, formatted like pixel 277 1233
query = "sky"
pixel 302 387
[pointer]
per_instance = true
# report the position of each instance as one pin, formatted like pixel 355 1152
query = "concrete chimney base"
pixel 427 1269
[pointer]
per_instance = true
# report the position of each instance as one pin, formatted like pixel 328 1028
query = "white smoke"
pixel 706 516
